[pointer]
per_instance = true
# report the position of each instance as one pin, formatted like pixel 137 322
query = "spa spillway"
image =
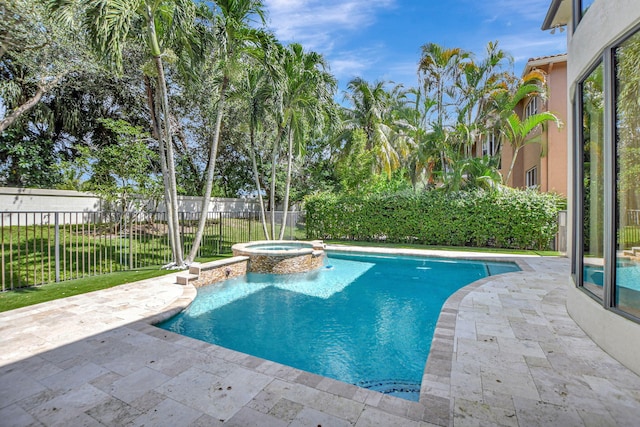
pixel 281 256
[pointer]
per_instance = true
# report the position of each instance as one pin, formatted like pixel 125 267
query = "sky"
pixel 381 39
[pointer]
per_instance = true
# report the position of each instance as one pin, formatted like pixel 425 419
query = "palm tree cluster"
pixel 432 132
pixel 228 109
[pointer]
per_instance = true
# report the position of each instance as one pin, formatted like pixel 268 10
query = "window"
pixel 580 7
pixel 531 178
pixel 490 145
pixel 531 108
pixel 584 6
pixel 593 209
pixel 627 185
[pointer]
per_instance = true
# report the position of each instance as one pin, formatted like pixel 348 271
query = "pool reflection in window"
pixel 627 57
pixel 593 182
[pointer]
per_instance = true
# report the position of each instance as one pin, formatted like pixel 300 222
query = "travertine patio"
pixel 505 353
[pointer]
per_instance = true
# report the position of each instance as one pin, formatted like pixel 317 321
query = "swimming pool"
pixel 363 319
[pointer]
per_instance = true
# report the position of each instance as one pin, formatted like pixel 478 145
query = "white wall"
pixel 603 24
pixel 38 200
pixel 30 202
pixel 618 336
pixel 218 204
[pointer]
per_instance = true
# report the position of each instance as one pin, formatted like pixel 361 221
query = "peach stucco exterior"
pixel 551 167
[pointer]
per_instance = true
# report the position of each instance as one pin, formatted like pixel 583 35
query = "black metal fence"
pixel 45 247
pixel 629 233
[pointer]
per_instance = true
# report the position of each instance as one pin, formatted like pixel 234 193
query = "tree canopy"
pixel 220 107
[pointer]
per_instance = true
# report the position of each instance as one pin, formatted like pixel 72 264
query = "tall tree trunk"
pixel 172 204
pixel 287 186
pixel 272 196
pixel 254 166
pixel 157 133
pixel 206 197
pixel 166 139
pixel 513 163
pixel 440 122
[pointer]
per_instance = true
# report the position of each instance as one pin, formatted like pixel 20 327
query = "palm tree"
pixel 477 85
pixel 236 40
pixel 307 93
pixel 160 24
pixel 256 90
pixel 413 114
pixel 472 172
pixel 371 112
pixel 439 70
pixel 516 130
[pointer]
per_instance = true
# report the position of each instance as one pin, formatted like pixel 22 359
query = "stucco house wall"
pixel 603 24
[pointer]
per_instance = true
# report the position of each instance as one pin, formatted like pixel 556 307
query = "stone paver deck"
pixel 505 352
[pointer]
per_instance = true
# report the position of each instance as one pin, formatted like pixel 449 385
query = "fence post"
pixel 130 241
pixel 220 233
pixel 56 239
pixel 182 236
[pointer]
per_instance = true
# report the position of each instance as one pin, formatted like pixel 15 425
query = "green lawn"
pixel 27 252
pixel 33 295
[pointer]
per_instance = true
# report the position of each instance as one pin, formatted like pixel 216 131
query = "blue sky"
pixel 381 39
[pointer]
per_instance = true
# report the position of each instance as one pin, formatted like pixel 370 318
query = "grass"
pixel 23 297
pixel 27 252
pixel 444 248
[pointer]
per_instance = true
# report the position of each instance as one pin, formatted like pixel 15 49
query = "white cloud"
pixel 317 24
pixel 533 44
pixel 337 29
pixel 349 66
pixel 326 26
pixel 515 10
pixel 516 26
pixel 405 73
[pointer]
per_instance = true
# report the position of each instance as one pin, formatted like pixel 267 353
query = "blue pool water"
pixel 362 319
pixel 279 246
pixel 627 275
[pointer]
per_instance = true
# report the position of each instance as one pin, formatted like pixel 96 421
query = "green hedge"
pixel 504 219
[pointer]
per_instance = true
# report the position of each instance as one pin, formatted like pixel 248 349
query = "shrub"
pixel 509 218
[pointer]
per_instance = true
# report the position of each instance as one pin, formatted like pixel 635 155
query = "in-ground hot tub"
pixel 281 256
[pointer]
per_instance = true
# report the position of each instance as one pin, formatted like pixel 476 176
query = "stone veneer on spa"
pixel 281 256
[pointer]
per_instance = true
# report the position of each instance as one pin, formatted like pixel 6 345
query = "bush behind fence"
pixel 45 247
pixel 509 219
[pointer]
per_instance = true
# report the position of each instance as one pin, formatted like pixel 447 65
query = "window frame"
pixel 578 174
pixel 531 175
pixel 490 145
pixel 607 58
pixel 532 104
pixel 612 86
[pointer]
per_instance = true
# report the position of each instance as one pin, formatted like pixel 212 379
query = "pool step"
pixel 184 279
pixel 195 268
pixel 221 269
pixel 194 274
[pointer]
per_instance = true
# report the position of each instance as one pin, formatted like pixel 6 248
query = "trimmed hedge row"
pixel 512 219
